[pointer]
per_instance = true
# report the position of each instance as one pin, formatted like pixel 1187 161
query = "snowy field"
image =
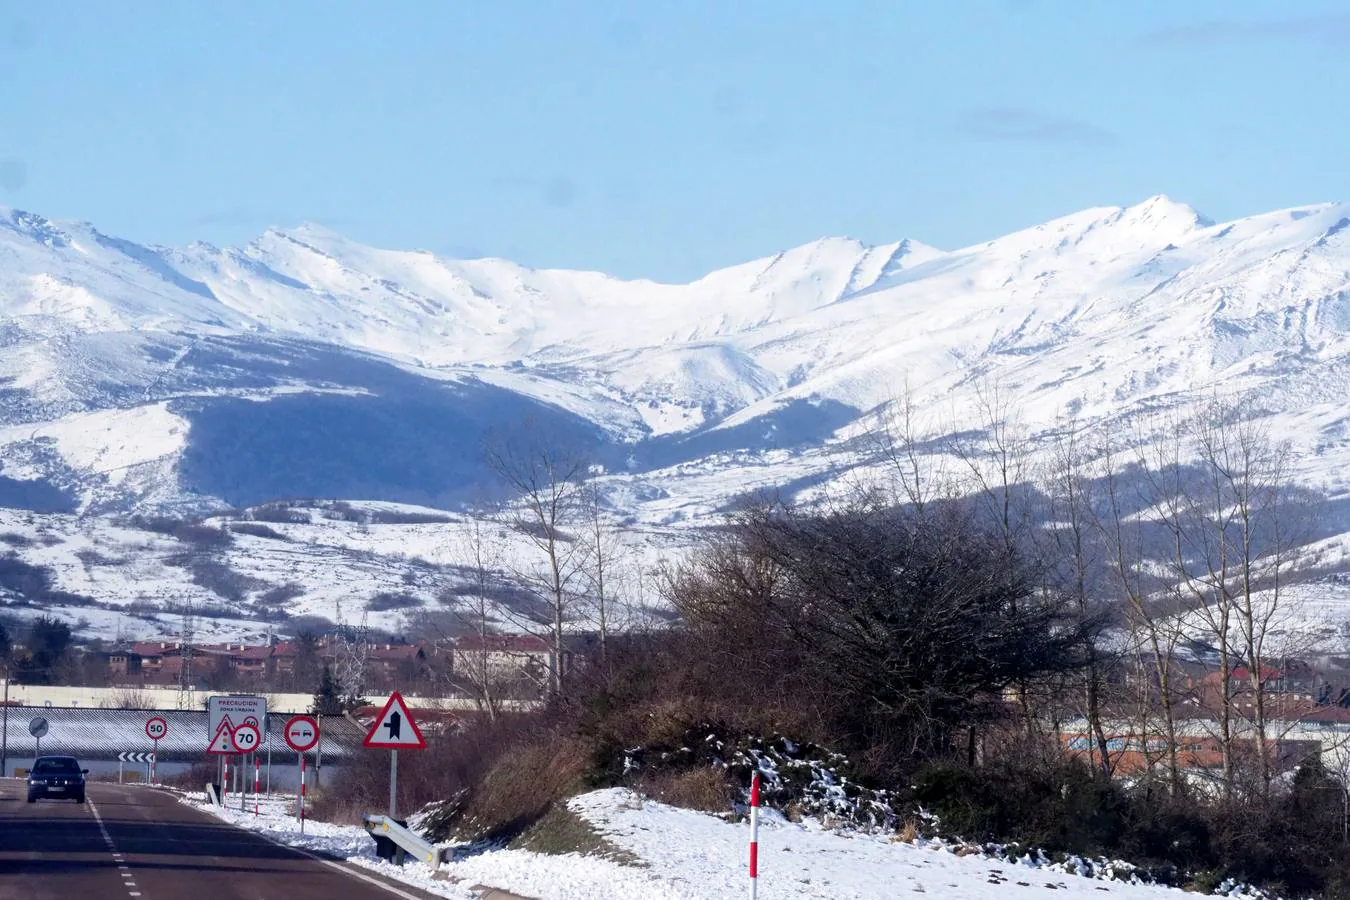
pixel 139 577
pixel 685 855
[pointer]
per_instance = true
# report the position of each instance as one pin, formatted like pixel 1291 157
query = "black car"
pixel 56 777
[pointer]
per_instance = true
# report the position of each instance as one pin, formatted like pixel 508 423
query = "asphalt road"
pixel 142 843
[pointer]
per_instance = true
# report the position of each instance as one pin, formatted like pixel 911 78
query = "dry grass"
pixel 704 789
pixel 562 831
pixel 908 833
pixel 523 786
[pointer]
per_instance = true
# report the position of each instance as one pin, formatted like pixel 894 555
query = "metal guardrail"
pixel 385 828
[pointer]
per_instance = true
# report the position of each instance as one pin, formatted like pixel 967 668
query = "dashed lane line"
pixel 128 880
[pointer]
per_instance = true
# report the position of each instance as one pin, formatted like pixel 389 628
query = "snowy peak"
pixel 1162 214
pixel 1104 310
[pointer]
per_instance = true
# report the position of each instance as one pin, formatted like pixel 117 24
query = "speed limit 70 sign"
pixel 156 728
pixel 246 739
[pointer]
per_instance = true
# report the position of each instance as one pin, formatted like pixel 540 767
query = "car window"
pixel 56 766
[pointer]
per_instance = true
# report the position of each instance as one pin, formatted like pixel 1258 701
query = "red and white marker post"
pixel 301 733
pixel 257 781
pixel 302 793
pixel 754 836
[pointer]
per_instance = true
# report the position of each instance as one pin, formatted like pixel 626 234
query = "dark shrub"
pixel 387 600
pixel 257 529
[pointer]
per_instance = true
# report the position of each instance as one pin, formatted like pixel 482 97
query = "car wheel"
pixel 32 799
pixel 79 799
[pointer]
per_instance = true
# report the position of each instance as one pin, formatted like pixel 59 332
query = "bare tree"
pixel 998 462
pixel 602 568
pixel 913 628
pixel 1153 635
pixel 909 443
pixel 1221 491
pixel 1253 528
pixel 1076 559
pixel 548 476
pixel 474 614
pixel 998 468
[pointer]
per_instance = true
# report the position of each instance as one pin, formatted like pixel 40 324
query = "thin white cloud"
pixel 1333 29
pixel 1017 125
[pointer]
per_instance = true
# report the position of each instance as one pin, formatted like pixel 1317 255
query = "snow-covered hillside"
pixel 150 379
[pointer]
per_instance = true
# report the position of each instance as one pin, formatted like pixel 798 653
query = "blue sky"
pixel 662 139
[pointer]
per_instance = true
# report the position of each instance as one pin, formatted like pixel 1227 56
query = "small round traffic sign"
pixel 156 728
pixel 38 728
pixel 302 733
pixel 246 739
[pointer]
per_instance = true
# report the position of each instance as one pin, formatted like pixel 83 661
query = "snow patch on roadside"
pixel 688 855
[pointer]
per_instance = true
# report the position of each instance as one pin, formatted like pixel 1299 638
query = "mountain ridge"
pixel 1094 312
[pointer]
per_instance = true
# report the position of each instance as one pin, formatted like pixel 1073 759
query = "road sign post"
pixel 38 729
pixel 301 734
pixel 302 793
pixel 395 729
pixel 245 740
pixel 155 728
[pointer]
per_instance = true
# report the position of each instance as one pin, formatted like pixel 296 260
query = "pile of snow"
pixel 686 855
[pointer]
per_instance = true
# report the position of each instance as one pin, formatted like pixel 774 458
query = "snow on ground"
pixel 687 855
pixel 345 842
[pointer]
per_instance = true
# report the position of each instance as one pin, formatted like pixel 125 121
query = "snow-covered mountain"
pixel 138 378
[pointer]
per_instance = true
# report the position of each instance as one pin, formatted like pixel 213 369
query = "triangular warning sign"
pixel 221 743
pixel 394 727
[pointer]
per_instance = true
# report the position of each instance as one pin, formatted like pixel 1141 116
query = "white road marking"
pixel 340 867
pixel 117 857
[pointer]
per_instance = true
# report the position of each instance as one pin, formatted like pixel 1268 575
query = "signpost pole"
pixel 301 734
pixel 394 729
pixel 119 768
pixel 39 747
pixel 257 775
pixel 269 769
pixel 4 729
pixel 302 793
pixel 154 762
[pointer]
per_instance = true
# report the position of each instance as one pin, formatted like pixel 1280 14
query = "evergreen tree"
pixel 327 701
pixel 48 647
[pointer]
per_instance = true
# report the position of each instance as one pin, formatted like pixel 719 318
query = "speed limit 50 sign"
pixel 156 728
